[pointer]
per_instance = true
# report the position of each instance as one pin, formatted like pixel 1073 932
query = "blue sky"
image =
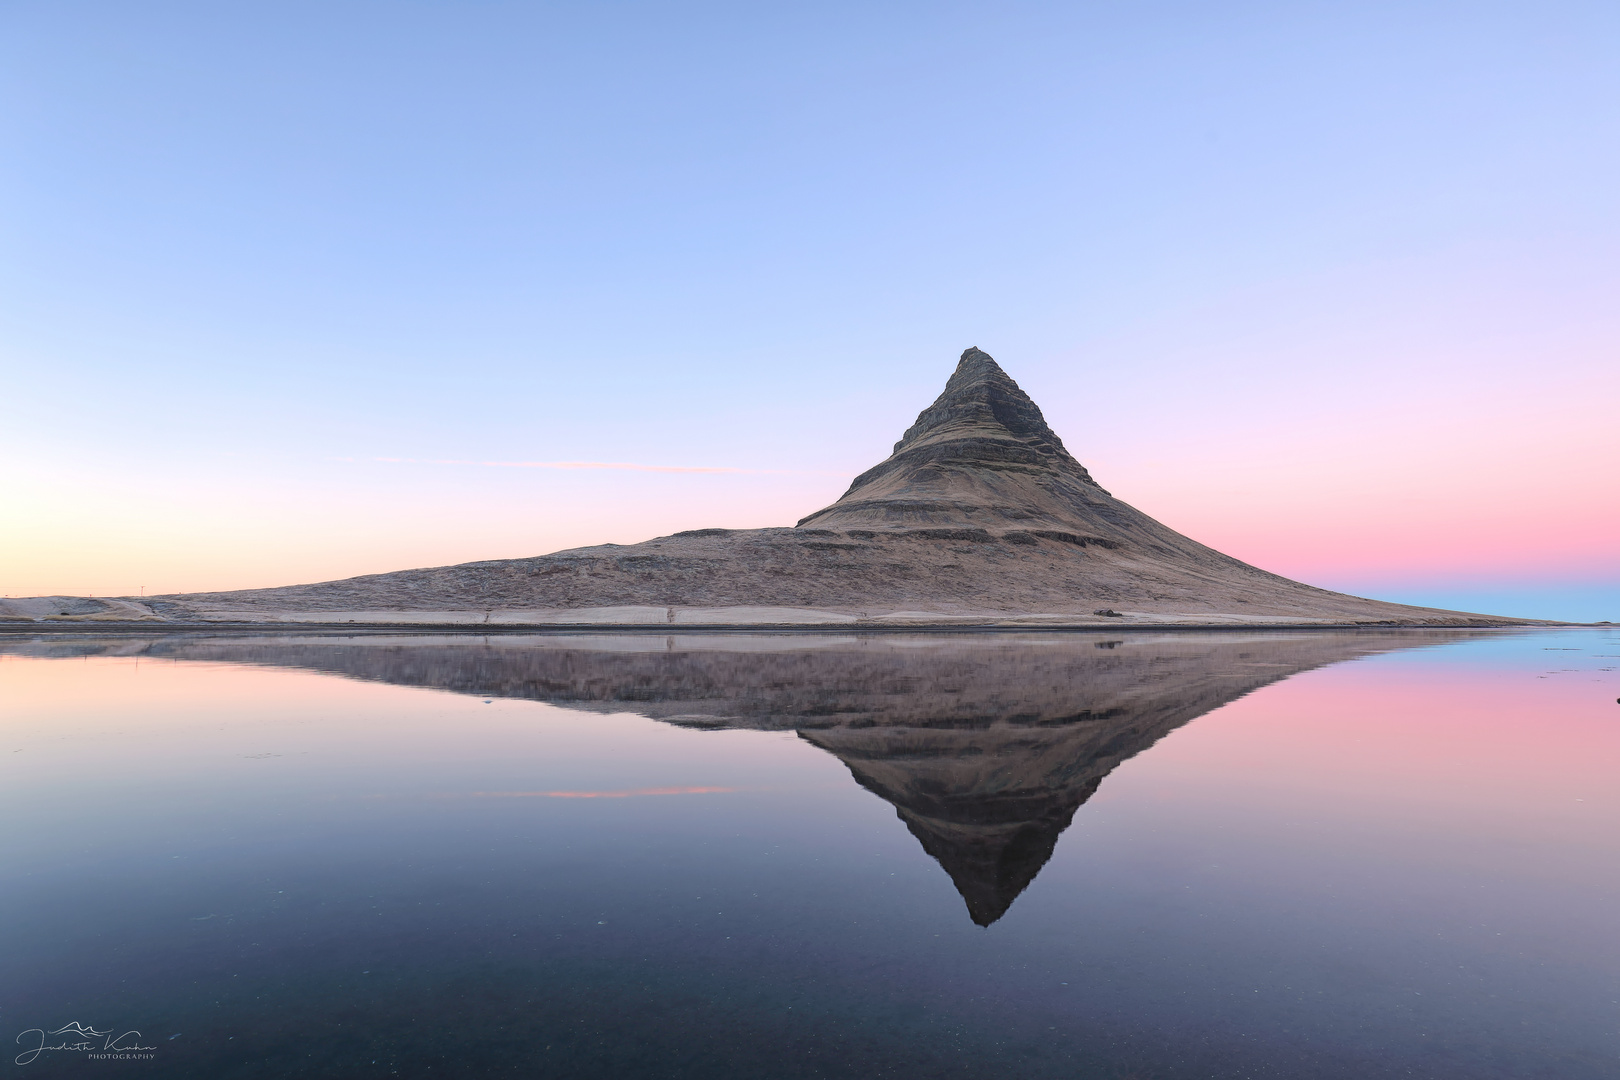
pixel 1329 286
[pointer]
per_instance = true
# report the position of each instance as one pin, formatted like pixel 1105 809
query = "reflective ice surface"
pixel 1187 855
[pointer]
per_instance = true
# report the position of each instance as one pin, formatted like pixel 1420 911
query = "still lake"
pixel 1289 854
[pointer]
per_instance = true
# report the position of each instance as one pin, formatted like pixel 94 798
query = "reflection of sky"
pixel 1405 857
pixel 1328 289
pixel 1489 762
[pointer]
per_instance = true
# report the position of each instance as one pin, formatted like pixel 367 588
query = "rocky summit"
pixel 980 516
pixel 979 457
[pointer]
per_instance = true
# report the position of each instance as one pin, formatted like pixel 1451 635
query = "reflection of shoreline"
pixel 78 631
pixel 985 745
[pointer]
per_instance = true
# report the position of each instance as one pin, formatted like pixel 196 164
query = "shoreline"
pixel 126 629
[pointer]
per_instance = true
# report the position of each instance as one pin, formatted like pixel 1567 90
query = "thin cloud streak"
pixel 625 466
pixel 603 794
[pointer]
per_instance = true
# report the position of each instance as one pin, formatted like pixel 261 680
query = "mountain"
pixel 980 516
pixel 981 456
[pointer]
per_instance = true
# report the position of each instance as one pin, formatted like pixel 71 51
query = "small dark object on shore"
pixel 1108 611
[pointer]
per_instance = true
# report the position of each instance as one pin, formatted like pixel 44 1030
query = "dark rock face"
pixel 982 420
pixel 985 746
pixel 982 456
pixel 980 394
pixel 982 424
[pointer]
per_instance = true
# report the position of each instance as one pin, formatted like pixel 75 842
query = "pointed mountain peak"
pixel 981 454
pixel 975 362
pixel 979 395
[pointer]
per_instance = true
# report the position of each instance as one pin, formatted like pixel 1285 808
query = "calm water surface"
pixel 1214 855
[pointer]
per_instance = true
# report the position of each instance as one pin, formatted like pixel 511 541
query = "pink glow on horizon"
pixel 1318 513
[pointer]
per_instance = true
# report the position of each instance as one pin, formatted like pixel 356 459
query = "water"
pixel 1192 855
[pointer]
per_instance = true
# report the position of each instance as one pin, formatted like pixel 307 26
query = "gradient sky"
pixel 295 291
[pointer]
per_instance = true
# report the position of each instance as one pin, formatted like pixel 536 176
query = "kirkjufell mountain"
pixel 980 516
pixel 986 746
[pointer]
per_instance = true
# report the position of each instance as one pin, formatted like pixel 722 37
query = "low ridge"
pixel 980 516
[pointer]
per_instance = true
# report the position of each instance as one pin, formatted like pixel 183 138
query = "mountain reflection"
pixel 985 745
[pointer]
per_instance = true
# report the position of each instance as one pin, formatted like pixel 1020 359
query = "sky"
pixel 296 291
